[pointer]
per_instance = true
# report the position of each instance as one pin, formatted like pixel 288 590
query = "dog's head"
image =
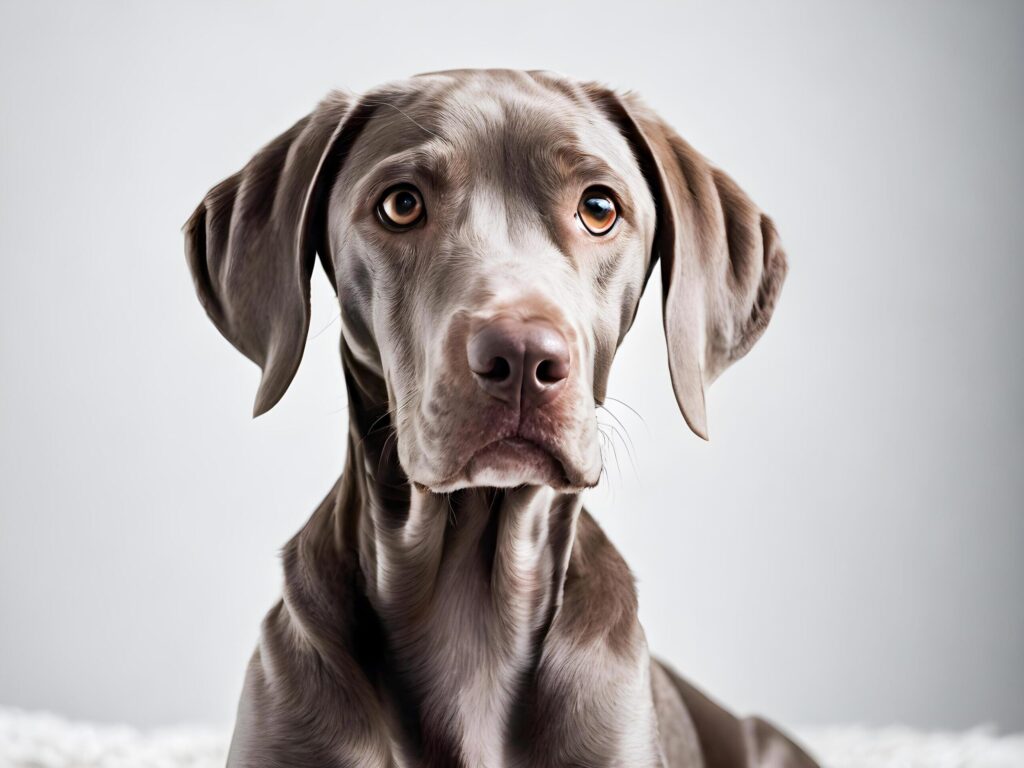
pixel 489 235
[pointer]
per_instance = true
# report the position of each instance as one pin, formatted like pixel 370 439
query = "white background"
pixel 848 547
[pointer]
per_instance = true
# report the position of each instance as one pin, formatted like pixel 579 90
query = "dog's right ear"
pixel 722 264
pixel 252 242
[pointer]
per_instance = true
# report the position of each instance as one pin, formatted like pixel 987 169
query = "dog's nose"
pixel 519 362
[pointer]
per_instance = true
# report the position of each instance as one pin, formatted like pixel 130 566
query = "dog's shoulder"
pixel 599 600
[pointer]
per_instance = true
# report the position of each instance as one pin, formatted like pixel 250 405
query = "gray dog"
pixel 489 235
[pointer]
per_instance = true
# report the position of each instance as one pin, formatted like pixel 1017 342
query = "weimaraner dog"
pixel 489 235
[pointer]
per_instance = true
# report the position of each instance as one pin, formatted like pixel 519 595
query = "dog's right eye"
pixel 596 212
pixel 401 207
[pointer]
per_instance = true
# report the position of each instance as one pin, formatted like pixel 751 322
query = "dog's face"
pixel 490 242
pixel 489 235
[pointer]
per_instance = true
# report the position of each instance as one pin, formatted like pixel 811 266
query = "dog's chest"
pixel 469 656
pixel 501 677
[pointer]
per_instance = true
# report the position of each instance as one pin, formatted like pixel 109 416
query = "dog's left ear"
pixel 722 267
pixel 252 242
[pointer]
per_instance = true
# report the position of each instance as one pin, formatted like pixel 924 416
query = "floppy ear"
pixel 252 242
pixel 722 267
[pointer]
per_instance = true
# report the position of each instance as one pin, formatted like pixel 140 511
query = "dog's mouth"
pixel 511 461
pixel 516 455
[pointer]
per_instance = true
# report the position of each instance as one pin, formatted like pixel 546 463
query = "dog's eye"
pixel 596 212
pixel 401 207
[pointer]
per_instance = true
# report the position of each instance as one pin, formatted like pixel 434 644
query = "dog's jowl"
pixel 489 235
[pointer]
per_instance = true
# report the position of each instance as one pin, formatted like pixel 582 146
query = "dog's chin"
pixel 514 461
pixel 510 463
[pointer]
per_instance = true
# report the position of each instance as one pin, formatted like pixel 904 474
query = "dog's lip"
pixel 516 442
pixel 520 444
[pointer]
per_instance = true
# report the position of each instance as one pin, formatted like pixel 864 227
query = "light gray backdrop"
pixel 860 503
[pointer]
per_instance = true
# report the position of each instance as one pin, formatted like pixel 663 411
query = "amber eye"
pixel 401 207
pixel 596 212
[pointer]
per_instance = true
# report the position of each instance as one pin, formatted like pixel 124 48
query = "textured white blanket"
pixel 35 740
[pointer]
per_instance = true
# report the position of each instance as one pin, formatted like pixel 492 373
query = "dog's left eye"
pixel 596 212
pixel 401 207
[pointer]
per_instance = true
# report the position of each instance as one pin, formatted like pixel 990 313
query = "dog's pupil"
pixel 405 202
pixel 599 207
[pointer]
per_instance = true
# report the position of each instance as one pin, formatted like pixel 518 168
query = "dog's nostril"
pixel 498 370
pixel 550 371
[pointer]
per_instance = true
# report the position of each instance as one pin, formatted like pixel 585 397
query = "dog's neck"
pixel 464 585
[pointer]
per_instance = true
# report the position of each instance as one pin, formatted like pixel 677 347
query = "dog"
pixel 489 234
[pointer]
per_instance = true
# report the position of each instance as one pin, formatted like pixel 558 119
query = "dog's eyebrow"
pixel 574 164
pixel 431 161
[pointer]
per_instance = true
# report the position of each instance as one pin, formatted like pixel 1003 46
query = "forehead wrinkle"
pixel 412 110
pixel 437 136
pixel 573 164
pixel 480 110
pixel 430 159
pixel 502 123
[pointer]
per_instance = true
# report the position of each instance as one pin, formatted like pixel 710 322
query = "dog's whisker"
pixel 632 410
pixel 630 448
pixel 384 448
pixel 611 443
pixel 625 430
pixel 627 446
pixel 605 474
pixel 389 413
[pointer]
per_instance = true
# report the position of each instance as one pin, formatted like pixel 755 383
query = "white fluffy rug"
pixel 34 740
